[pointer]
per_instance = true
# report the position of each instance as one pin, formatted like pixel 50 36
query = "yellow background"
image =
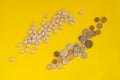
pixel 103 62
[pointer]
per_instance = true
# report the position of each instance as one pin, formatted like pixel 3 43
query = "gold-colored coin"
pixel 60 59
pixel 88 43
pixel 91 27
pixel 70 51
pixel 98 32
pixel 69 57
pixel 96 19
pixel 56 53
pixel 59 65
pixel 54 61
pixel 103 20
pixel 49 66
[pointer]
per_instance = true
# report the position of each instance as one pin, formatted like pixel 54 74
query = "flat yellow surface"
pixel 103 62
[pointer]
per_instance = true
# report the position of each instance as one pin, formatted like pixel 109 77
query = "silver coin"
pixel 99 25
pixel 77 48
pixel 69 46
pixel 65 62
pixel 84 55
pixel 53 65
pixel 75 54
pixel 83 39
pixel 93 33
pixel 64 53
pixel 85 32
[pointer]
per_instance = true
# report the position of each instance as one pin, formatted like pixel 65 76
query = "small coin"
pixel 70 52
pixel 60 59
pixel 53 66
pixel 56 53
pixel 76 48
pixel 93 33
pixel 96 19
pixel 54 61
pixel 84 55
pixel 49 66
pixel 98 32
pixel 103 20
pixel 76 54
pixel 83 39
pixel 91 27
pixel 99 25
pixel 69 57
pixel 64 53
pixel 69 46
pixel 88 43
pixel 85 32
pixel 82 49
pixel 65 61
pixel 59 65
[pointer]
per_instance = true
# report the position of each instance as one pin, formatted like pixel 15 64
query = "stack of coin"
pixel 64 56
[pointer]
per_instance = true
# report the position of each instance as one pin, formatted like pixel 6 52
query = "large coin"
pixel 88 43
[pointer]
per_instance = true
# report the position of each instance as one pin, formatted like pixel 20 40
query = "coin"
pixel 53 65
pixel 85 32
pixel 98 32
pixel 84 55
pixel 59 65
pixel 91 28
pixel 70 52
pixel 93 33
pixel 103 20
pixel 56 53
pixel 69 46
pixel 82 49
pixel 54 61
pixel 49 66
pixel 69 57
pixel 60 59
pixel 96 19
pixel 65 61
pixel 75 54
pixel 64 53
pixel 83 39
pixel 88 43
pixel 99 25
pixel 76 48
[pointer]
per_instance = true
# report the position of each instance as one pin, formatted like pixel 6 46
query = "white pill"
pixel 21 51
pixel 12 59
pixel 36 46
pixel 33 24
pixel 46 40
pixel 47 16
pixel 33 51
pixel 81 12
pixel 71 23
pixel 19 45
pixel 26 49
pixel 43 23
pixel 55 31
pixel 61 27
pixel 74 19
pixel 54 17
